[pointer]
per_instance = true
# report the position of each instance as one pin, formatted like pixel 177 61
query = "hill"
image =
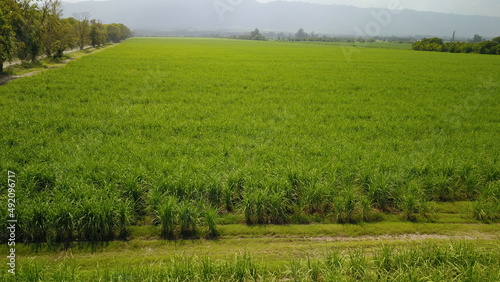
pixel 218 15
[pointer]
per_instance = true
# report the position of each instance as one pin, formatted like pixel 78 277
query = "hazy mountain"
pixel 214 15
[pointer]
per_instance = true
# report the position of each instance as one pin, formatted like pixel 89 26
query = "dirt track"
pixel 406 237
pixel 17 62
pixel 6 79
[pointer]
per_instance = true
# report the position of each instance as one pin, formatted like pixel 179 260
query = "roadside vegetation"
pixel 30 29
pixel 45 63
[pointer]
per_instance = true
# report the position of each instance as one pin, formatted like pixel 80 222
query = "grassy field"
pixel 176 138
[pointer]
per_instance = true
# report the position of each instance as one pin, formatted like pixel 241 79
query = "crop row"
pixel 93 214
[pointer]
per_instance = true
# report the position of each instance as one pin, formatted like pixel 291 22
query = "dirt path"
pixel 401 237
pixel 407 237
pixel 5 79
pixel 17 62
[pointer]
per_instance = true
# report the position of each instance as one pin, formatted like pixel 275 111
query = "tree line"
pixel 254 35
pixel 476 45
pixel 31 28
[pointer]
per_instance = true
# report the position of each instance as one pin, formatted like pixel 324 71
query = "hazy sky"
pixel 463 7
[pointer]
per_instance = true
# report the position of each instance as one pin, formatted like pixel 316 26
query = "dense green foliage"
pixel 8 21
pixel 481 47
pixel 29 28
pixel 164 131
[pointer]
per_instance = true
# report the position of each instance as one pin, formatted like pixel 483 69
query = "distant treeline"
pixel 301 35
pixel 254 35
pixel 30 28
pixel 477 45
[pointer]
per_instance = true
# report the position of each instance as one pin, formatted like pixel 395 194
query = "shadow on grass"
pixel 92 247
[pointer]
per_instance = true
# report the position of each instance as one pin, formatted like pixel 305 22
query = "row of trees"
pixel 30 28
pixel 475 46
pixel 254 35
pixel 302 35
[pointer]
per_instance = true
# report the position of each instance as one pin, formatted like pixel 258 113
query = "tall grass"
pixel 487 206
pixel 63 222
pixel 210 216
pixel 411 200
pixel 95 220
pixel 188 216
pixel 265 206
pixel 167 216
pixel 457 261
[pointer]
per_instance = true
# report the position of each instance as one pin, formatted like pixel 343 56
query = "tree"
pixel 477 39
pixel 117 32
pixel 51 27
pixel 429 44
pixel 126 32
pixel 82 29
pixel 68 38
pixel 28 31
pixel 98 33
pixel 255 35
pixel 114 32
pixel 301 34
pixel 9 14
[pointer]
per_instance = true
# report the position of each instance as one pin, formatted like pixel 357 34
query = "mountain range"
pixel 281 16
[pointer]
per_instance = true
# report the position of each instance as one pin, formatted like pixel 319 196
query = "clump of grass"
pixel 487 207
pixel 181 219
pixel 346 206
pixel 379 192
pixel 95 220
pixel 228 198
pixel 123 217
pixel 188 216
pixel 34 222
pixel 265 206
pixel 412 200
pixel 210 216
pixel 315 199
pixel 63 222
pixel 167 213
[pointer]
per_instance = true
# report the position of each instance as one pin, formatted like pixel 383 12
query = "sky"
pixel 461 7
